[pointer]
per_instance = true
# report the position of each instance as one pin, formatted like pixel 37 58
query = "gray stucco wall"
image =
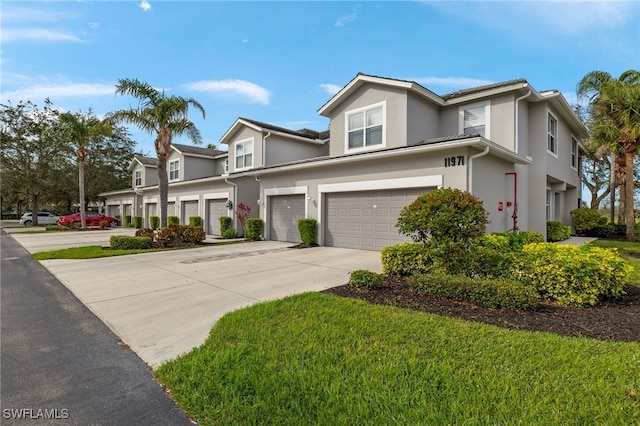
pixel 243 134
pixel 280 150
pixel 423 120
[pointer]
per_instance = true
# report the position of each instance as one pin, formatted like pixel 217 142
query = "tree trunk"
pixel 83 219
pixel 35 199
pixel 612 188
pixel 163 185
pixel 629 215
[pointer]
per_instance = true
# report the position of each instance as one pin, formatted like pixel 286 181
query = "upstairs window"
pixel 574 153
pixel 244 154
pixel 552 135
pixel 138 178
pixel 226 165
pixel 365 127
pixel 475 119
pixel 174 170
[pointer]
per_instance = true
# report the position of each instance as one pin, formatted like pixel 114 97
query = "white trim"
pixel 372 185
pixel 177 160
pixel 189 198
pixel 364 109
pixel 274 192
pixel 487 117
pixel 253 154
pixel 216 196
pixel 290 190
pixel 146 200
pixel 557 138
pixel 171 199
pixel 577 153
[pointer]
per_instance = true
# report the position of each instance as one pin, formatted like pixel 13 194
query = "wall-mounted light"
pixel 228 204
pixel 259 202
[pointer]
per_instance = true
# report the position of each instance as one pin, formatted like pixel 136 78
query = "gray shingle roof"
pixel 304 133
pixel 196 150
pixel 478 89
pixel 146 161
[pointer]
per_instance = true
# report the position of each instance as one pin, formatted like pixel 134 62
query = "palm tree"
pixel 80 128
pixel 163 116
pixel 615 108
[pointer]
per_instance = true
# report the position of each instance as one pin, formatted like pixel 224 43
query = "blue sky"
pixel 278 62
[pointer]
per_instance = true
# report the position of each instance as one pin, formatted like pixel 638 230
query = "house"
pixel 391 140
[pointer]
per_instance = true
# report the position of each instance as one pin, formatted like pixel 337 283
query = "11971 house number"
pixel 454 161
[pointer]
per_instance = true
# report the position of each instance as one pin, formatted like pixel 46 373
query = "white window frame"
pixel 553 152
pixel 235 155
pixel 226 165
pixel 487 117
pixel 174 174
pixel 137 178
pixel 364 109
pixel 574 153
pixel 549 203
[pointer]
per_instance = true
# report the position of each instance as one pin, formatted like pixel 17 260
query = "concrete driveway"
pixel 164 304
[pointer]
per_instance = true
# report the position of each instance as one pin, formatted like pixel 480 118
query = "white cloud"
pixel 39 34
pixel 233 88
pixel 453 82
pixel 331 89
pixel 94 24
pixel 341 22
pixel 41 91
pixel 145 5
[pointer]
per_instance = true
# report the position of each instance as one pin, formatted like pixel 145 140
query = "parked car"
pixel 92 218
pixel 44 218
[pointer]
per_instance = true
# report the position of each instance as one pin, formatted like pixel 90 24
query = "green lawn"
pixel 319 359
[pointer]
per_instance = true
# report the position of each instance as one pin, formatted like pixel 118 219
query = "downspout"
pixel 515 200
pixel 235 195
pixel 264 149
pixel 517 133
pixel 470 170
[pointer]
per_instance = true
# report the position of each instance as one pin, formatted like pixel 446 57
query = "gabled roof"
pixel 362 79
pixel 143 161
pixel 474 90
pixel 305 135
pixel 195 151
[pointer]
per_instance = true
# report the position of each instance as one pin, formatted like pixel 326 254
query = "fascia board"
pixel 239 122
pixel 487 93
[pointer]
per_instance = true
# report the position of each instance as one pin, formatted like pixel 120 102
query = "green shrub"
pixel 125 242
pixel 518 240
pixel 118 216
pixel 308 229
pixel 53 227
pixel 366 279
pixel 173 220
pixel 225 223
pixel 492 256
pixel 255 227
pixel 127 221
pixel 145 232
pixel 556 231
pixel 195 221
pixel 573 275
pixel 405 259
pixel 193 235
pixel 137 222
pixel 585 219
pixel 167 237
pixel 230 233
pixel 154 222
pixel 492 293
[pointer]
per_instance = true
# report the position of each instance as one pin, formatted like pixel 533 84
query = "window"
pixel 552 133
pixel 549 201
pixel 474 121
pixel 244 154
pixel 174 170
pixel 138 178
pixel 365 127
pixel 574 153
pixel 226 165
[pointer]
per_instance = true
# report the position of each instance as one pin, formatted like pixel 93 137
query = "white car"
pixel 44 218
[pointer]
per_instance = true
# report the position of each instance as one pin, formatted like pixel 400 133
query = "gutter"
pixel 470 169
pixel 235 196
pixel 264 149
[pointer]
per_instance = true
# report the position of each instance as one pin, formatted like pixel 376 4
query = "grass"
pixel 630 251
pixel 319 359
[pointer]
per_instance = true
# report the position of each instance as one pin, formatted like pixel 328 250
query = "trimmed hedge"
pixel 154 222
pixel 225 223
pixel 54 227
pixel 125 242
pixel 363 278
pixel 230 233
pixel 491 293
pixel 173 220
pixel 573 275
pixel 137 222
pixel 254 228
pixel 195 221
pixel 584 220
pixel 308 229
pixel 405 259
pixel 127 220
pixel 556 231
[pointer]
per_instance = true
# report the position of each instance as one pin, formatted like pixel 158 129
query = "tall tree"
pixel 164 116
pixel 615 110
pixel 31 150
pixel 80 129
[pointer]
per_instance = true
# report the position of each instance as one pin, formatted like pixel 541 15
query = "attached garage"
pixel 215 210
pixel 189 208
pixel 366 219
pixel 127 210
pixel 113 210
pixel 284 213
pixel 151 210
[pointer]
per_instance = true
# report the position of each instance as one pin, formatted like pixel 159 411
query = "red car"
pixel 92 218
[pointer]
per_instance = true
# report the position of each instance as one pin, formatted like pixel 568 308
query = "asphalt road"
pixel 60 364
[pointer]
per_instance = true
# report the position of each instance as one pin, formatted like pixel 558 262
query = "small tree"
pixel 243 211
pixel 447 221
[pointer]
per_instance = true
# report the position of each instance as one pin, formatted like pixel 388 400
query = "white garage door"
pixel 215 210
pixel 284 211
pixel 189 208
pixel 127 209
pixel 113 211
pixel 366 219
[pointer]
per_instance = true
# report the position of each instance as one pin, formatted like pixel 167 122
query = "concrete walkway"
pixel 163 304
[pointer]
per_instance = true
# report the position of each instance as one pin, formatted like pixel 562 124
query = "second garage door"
pixel 366 219
pixel 189 208
pixel 284 211
pixel 215 210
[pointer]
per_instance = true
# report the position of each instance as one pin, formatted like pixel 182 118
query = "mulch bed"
pixel 614 320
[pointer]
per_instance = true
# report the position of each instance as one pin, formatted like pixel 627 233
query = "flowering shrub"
pixel 243 211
